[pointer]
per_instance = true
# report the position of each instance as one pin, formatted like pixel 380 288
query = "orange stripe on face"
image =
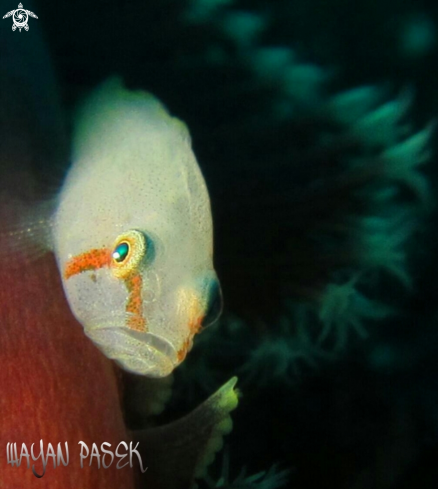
pixel 90 260
pixel 99 258
pixel 134 285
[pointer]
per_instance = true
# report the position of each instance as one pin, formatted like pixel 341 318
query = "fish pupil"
pixel 121 252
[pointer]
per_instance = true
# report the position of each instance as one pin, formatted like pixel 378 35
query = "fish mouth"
pixel 137 352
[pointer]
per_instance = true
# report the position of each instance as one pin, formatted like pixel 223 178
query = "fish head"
pixel 133 233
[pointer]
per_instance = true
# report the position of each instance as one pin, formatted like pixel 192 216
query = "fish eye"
pixel 120 252
pixel 129 250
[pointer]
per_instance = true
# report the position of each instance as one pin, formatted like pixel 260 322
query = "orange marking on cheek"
pixel 90 260
pixel 134 305
pixel 196 314
pixel 195 325
pixel 188 343
pixel 182 353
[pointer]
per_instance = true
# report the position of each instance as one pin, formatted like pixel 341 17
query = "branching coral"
pixel 279 354
pixel 214 357
pixel 337 187
pixel 343 308
pixel 282 357
pixel 203 10
pixel 270 479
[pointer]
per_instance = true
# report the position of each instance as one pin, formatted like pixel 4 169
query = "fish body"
pixel 132 232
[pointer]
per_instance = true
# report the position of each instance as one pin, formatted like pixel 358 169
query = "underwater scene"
pixel 218 240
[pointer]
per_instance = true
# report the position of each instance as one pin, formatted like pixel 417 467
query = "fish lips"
pixel 141 353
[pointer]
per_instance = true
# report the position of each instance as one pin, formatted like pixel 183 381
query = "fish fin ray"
pixel 26 228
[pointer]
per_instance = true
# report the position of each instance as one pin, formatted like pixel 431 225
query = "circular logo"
pixel 20 18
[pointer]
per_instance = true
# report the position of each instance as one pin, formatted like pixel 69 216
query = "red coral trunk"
pixel 55 385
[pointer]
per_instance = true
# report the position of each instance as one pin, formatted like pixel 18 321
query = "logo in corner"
pixel 20 17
